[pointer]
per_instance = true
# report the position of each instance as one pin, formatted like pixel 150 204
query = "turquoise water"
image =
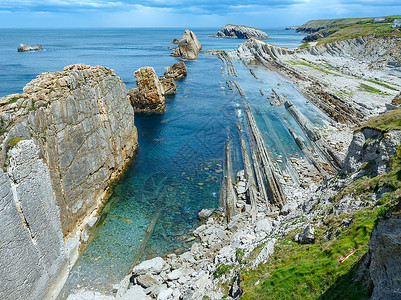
pixel 178 168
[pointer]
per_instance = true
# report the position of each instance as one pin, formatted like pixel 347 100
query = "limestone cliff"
pixel 188 46
pixel 79 127
pixel 241 32
pixel 84 125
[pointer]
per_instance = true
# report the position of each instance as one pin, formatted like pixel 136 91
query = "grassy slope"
pixel 342 29
pixel 313 271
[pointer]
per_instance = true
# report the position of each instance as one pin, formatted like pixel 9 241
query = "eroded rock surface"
pixel 188 46
pixel 176 71
pixel 32 248
pixel 148 96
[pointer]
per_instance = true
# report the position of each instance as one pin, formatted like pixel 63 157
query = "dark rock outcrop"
pixel 148 96
pixel 385 251
pixel 176 71
pixel 176 41
pixel 23 48
pixel 241 32
pixel 188 46
pixel 63 139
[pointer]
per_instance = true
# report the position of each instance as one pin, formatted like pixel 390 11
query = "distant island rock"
pixel 240 32
pixel 23 48
pixel 188 46
pixel 291 28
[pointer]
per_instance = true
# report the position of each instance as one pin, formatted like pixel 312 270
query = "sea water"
pixel 177 170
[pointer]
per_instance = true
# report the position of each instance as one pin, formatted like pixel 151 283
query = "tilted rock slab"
pixel 148 96
pixel 241 32
pixel 84 125
pixel 188 46
pixel 23 48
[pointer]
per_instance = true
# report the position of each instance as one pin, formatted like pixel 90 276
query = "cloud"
pixel 174 13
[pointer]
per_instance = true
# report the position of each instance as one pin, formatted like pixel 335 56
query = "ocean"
pixel 177 170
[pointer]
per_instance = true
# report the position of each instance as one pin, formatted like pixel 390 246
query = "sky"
pixel 183 13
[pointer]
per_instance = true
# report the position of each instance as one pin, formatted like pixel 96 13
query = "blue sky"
pixel 183 13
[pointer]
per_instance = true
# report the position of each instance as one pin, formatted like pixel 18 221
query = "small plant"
pixel 13 100
pixel 222 269
pixel 13 142
pixel 370 89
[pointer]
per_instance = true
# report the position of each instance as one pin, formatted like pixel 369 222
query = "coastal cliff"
pixel 241 32
pixel 62 140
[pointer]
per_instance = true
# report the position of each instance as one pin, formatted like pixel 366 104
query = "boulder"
pixel 169 86
pixel 135 292
pixel 148 96
pixel 23 48
pixel 152 266
pixel 307 236
pixel 241 32
pixel 188 46
pixel 176 71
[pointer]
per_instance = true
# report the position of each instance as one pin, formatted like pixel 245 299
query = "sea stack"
pixel 23 48
pixel 177 71
pixel 148 96
pixel 240 32
pixel 188 46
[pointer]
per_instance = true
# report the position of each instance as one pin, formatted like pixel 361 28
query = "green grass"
pixel 390 120
pixel 13 142
pixel 222 269
pixel 312 271
pixel 324 68
pixel 13 100
pixel 383 84
pixel 370 89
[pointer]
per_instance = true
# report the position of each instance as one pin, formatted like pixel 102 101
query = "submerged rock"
pixel 241 32
pixel 188 46
pixel 176 71
pixel 148 96
pixel 23 48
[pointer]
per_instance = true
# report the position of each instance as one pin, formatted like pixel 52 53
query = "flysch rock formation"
pixel 148 95
pixel 32 249
pixel 63 139
pixel 22 48
pixel 188 46
pixel 241 32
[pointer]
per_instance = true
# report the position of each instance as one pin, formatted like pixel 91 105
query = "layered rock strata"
pixel 188 46
pixel 79 127
pixel 148 95
pixel 176 71
pixel 241 32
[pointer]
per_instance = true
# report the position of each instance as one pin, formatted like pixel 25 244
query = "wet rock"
pixel 188 46
pixel 176 71
pixel 153 266
pixel 22 48
pixel 169 86
pixel 148 96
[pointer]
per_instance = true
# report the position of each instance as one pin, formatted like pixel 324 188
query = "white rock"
pixel 153 266
pixel 165 294
pixel 174 275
